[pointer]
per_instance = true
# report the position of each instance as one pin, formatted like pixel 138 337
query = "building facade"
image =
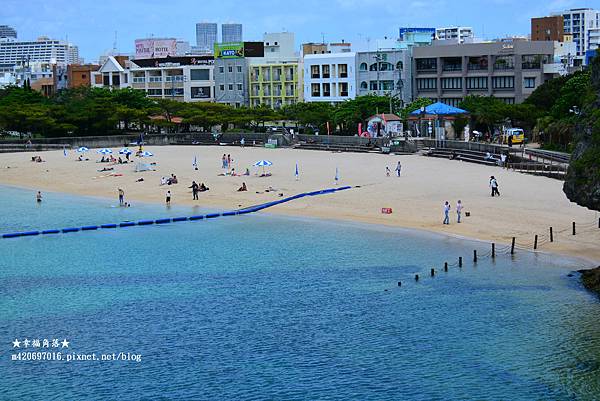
pixel 274 84
pixel 584 25
pixel 457 33
pixel 7 32
pixel 508 71
pixel 329 77
pixel 80 75
pixel 385 73
pixel 548 28
pixel 43 50
pixel 231 81
pixel 231 33
pixel 206 37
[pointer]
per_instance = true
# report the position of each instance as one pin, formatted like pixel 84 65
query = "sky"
pixel 93 24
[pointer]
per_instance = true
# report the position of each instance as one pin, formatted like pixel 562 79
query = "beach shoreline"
pixel 415 198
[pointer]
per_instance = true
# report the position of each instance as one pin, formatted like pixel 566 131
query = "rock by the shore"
pixel 591 279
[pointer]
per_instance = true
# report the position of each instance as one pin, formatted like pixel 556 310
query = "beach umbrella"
pixel 104 151
pixel 337 175
pixel 82 149
pixel 125 151
pixel 297 174
pixel 263 163
pixel 195 163
pixel 145 153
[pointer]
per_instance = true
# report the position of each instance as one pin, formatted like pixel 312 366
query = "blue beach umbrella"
pixel 82 149
pixel 104 151
pixel 125 151
pixel 263 163
pixel 145 153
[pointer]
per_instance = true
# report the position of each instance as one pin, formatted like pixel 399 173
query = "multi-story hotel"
pixel 507 70
pixel 584 25
pixel 42 50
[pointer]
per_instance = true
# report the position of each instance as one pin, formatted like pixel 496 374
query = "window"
pixel 239 69
pixel 452 83
pixel 314 71
pixel 529 82
pixel 315 90
pixel 427 64
pixel 343 70
pixel 531 62
pixel 240 87
pixel 363 66
pixel 221 70
pixel 154 92
pixel 222 87
pixel 454 102
pixel 399 66
pixel 177 91
pixel 156 78
pixel 105 79
pixel 116 79
pixel 326 90
pixel 503 82
pixel 504 63
pixel 363 85
pixel 508 100
pixel 373 85
pixel 477 83
pixel 83 76
pixel 198 74
pixel 326 71
pixel 230 68
pixel 477 63
pixel 200 92
pixel 238 105
pixel 386 67
pixel 230 87
pixel 343 87
pixel 452 64
pixel 426 84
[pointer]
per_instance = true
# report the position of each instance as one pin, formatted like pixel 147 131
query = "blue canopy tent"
pixel 438 115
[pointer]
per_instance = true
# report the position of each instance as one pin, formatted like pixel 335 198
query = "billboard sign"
pixel 229 50
pixel 254 49
pixel 155 48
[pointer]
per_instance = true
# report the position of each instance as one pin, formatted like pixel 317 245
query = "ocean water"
pixel 269 308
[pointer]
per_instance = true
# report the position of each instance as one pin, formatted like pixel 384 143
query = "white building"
pixel 457 33
pixel 584 25
pixel 43 50
pixel 280 46
pixel 329 77
pixel 186 79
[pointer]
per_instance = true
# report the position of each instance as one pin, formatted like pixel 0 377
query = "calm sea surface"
pixel 264 307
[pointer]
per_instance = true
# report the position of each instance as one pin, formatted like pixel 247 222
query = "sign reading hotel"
pixel 155 48
pixel 229 50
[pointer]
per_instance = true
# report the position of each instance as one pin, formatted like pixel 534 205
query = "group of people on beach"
pixel 398 170
pixel 459 208
pixel 197 188
pixel 169 180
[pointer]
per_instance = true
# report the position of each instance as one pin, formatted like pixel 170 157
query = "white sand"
pixel 529 205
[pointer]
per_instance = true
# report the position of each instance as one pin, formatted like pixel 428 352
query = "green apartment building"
pixel 274 84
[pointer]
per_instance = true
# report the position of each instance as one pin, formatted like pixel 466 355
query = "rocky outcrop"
pixel 582 184
pixel 591 279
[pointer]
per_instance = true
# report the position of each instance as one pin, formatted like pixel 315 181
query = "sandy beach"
pixel 528 205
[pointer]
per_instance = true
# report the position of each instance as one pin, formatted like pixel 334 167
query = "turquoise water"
pixel 264 307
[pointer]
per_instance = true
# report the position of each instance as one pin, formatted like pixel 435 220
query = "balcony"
pixel 477 67
pixel 503 67
pixel 531 66
pixel 452 67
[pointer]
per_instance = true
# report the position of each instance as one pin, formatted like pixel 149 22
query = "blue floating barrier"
pixel 145 222
pixel 11 235
pixel 89 228
pixel 70 230
pixel 228 213
pixel 176 219
pixel 328 191
pixel 212 215
pixel 29 233
pixel 51 232
pixel 244 211
pixel 344 187
pixel 108 226
pixel 162 221
pixel 127 224
pixel 199 217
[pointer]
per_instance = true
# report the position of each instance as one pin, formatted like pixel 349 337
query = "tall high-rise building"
pixel 206 36
pixel 584 25
pixel 231 33
pixel 45 50
pixel 7 32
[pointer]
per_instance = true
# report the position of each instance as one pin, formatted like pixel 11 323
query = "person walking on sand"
pixel 194 190
pixel 459 208
pixel 121 197
pixel 398 169
pixel 446 212
pixel 387 171
pixel 38 197
pixel 494 186
pixel 224 161
pixel 168 199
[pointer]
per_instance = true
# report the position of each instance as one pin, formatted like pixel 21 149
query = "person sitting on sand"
pixel 80 158
pixel 247 171
pixel 106 169
pixel 203 188
pixel 120 160
pixel 243 188
pixel 232 172
pixel 163 181
pixel 139 180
